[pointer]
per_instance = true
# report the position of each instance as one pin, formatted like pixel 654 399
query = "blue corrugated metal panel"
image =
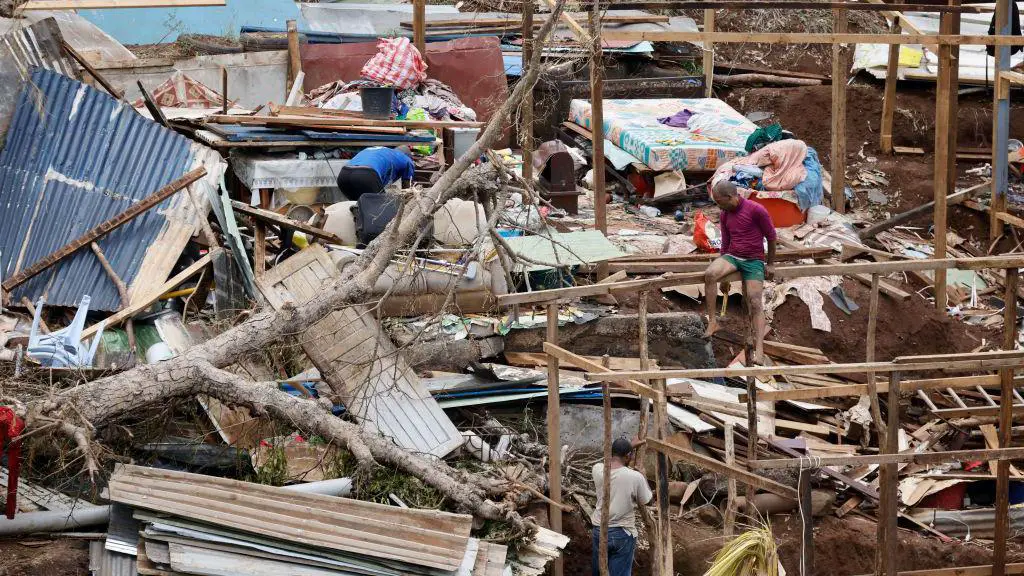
pixel 75 157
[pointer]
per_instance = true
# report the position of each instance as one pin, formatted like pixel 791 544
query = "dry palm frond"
pixel 752 553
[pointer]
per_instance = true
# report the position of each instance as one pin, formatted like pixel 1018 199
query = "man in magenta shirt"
pixel 746 225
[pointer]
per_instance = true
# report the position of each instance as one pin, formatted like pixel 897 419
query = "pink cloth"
pixel 397 63
pixel 745 229
pixel 782 162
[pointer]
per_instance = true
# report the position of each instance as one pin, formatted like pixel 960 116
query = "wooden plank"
pixel 540 359
pixel 709 54
pixel 145 302
pixel 962 571
pixel 581 362
pixel 472 21
pixel 1006 380
pixel 923 458
pixel 419 26
pixel 982 361
pixel 781 255
pixel 838 150
pixel 110 88
pixel 569 21
pixel 888 539
pixel 889 99
pixel 713 465
pixel 283 221
pixel 597 122
pixel 555 431
pixel 294 60
pixel 781 272
pixel 810 38
pixel 952 199
pixel 943 155
pixel 102 4
pixel 104 228
pixel 974 412
pixel 312 122
pixel 731 492
pixel 1010 219
pixel 526 109
pixel 846 390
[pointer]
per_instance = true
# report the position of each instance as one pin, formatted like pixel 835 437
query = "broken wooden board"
pixel 360 362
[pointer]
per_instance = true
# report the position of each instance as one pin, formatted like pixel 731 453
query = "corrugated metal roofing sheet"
pixel 75 157
pixel 22 47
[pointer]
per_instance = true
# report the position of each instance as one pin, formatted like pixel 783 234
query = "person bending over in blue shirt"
pixel 373 169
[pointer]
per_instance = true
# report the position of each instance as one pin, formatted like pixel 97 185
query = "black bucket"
pixel 377 102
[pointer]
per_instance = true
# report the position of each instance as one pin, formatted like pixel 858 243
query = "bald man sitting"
pixel 746 225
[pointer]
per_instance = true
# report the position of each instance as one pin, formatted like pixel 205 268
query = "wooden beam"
pixel 811 38
pixel 102 4
pixel 888 539
pixel 713 465
pixel 951 200
pixel 353 125
pixel 974 411
pixel 110 88
pixel 578 361
pixel 554 431
pixel 294 58
pixel 1006 380
pixel 279 220
pixel 526 129
pixel 709 53
pixel 474 21
pixel 943 155
pixel 597 122
pixel 145 302
pixel 889 100
pixel 924 458
pixel 1000 138
pixel 103 229
pixel 419 25
pixel 568 20
pixel 908 386
pixel 978 361
pixel 781 272
pixel 961 571
pixel 298 114
pixel 838 152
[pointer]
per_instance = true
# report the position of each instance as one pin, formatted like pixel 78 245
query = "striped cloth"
pixel 397 63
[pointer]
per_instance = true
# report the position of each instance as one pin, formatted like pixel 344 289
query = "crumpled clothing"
pixel 678 120
pixel 810 190
pixel 809 290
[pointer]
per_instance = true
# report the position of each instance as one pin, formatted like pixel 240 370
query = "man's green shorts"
pixel 750 269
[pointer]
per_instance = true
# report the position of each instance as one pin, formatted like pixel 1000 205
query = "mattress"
pixel 714 134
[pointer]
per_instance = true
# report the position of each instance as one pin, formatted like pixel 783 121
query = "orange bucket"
pixel 783 212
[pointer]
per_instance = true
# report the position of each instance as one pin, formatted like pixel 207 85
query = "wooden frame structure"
pixel 651 386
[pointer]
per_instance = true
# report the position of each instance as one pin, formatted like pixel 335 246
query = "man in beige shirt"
pixel 628 490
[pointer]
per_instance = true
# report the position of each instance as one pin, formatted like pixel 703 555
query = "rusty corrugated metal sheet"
pixel 75 157
pixel 473 67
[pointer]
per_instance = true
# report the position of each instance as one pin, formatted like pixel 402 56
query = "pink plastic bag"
pixel 397 63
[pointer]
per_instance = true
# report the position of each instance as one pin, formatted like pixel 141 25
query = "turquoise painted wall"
pixel 153 25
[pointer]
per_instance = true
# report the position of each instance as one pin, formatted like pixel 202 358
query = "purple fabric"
pixel 678 120
pixel 745 229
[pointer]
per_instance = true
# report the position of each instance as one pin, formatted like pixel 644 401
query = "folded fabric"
pixel 809 192
pixel 678 120
pixel 782 163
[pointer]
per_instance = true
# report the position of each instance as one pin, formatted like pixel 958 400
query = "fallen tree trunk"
pixel 199 370
pixel 763 80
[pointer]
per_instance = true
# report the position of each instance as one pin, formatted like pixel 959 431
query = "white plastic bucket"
pixel 817 214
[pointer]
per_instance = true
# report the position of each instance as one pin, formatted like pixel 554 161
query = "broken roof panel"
pixel 74 158
pixel 22 47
